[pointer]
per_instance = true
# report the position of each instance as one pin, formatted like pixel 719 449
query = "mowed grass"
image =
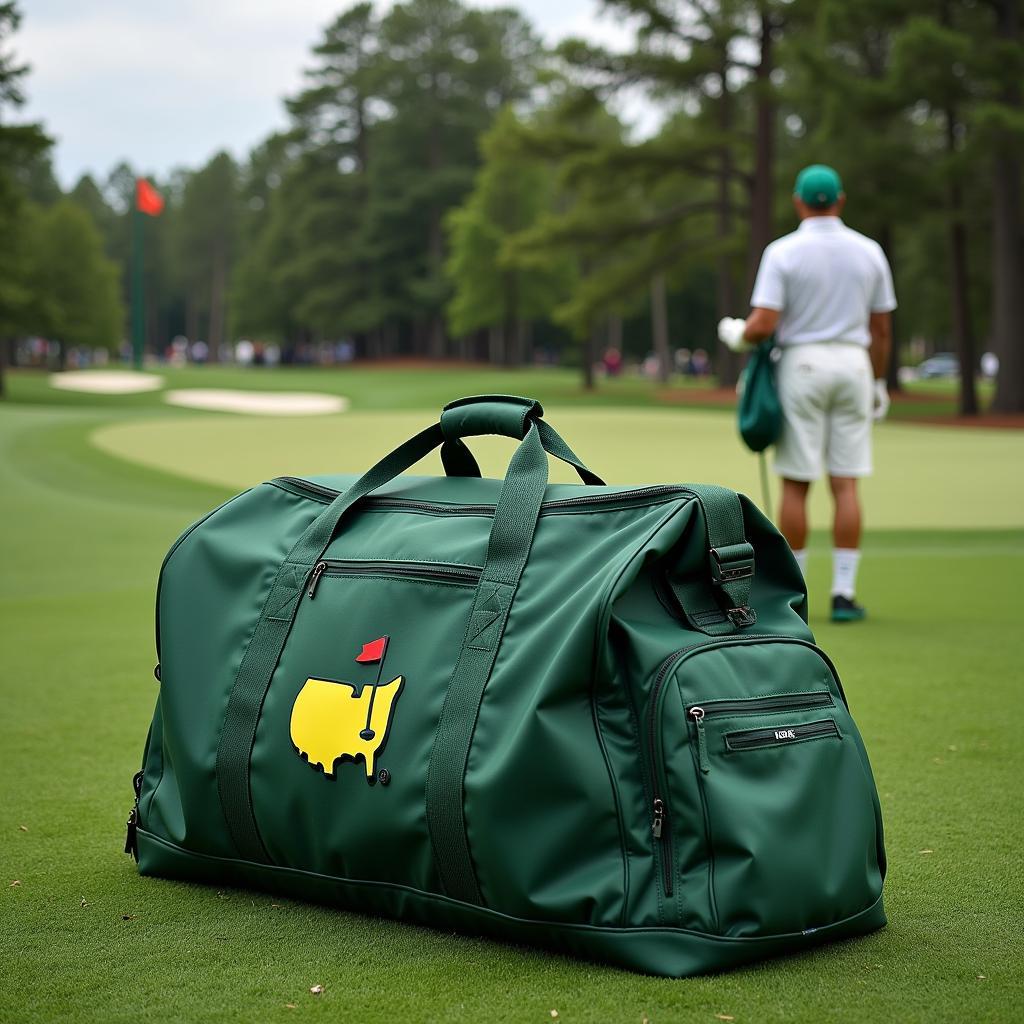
pixel 934 682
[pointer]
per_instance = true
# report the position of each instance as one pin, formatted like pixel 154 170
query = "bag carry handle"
pixel 515 520
pixel 509 415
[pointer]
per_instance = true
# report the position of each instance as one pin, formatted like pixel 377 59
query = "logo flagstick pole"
pixel 368 733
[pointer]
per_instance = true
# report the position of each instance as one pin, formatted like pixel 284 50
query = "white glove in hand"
pixel 880 400
pixel 730 334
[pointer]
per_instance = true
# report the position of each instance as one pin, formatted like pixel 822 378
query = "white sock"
pixel 801 560
pixel 844 572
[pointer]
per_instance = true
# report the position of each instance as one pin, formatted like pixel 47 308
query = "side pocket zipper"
pixel 753 706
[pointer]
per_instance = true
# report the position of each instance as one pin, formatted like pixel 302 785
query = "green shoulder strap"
pixel 515 520
pixel 724 607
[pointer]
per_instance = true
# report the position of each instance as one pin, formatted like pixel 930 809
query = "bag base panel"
pixel 667 952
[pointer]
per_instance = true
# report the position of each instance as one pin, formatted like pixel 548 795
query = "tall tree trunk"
pixel 192 317
pixel 3 366
pixel 218 286
pixel 659 327
pixel 512 354
pixel 726 363
pixel 525 341
pixel 435 241
pixel 893 375
pixel 1007 261
pixel 762 192
pixel 588 354
pixel 963 328
pixel 495 341
pixel 615 331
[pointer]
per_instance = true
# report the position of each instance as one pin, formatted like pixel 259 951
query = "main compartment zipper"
pixel 443 572
pixel 632 496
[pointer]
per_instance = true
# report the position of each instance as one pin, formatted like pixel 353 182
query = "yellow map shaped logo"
pixel 331 721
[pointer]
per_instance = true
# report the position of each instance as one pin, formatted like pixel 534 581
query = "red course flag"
pixel 147 199
pixel 373 651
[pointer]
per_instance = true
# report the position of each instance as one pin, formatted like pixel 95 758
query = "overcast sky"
pixel 166 83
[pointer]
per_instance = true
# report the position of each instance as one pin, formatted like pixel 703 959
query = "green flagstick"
pixel 138 297
pixel 368 733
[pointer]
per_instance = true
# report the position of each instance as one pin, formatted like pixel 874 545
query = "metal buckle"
pixel 741 617
pixel 736 563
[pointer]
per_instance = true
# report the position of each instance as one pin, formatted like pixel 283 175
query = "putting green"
pixel 925 477
pixel 933 679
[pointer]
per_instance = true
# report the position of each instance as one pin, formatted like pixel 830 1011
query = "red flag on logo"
pixel 147 199
pixel 373 651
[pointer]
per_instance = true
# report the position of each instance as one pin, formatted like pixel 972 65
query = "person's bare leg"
pixel 793 516
pixel 846 530
pixel 846 524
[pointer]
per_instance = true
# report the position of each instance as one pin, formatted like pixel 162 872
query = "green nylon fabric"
pixel 537 773
pixel 264 649
pixel 759 415
pixel 515 518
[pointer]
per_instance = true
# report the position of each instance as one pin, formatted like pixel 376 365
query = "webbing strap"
pixel 263 651
pixel 458 460
pixel 724 606
pixel 515 519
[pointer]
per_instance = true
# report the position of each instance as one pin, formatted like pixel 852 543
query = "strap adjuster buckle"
pixel 741 617
pixel 734 562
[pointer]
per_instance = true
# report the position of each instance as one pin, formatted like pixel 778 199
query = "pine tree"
pixel 203 245
pixel 21 147
pixel 696 57
pixel 74 286
pixel 493 289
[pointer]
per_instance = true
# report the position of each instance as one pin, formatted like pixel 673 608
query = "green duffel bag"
pixel 581 716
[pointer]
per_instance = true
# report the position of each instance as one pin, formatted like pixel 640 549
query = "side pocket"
pixel 777 829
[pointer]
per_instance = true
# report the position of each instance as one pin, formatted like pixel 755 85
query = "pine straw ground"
pixel 934 681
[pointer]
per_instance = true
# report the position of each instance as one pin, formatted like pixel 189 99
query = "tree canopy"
pixel 448 186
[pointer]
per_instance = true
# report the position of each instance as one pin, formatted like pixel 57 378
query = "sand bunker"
pixel 106 382
pixel 258 403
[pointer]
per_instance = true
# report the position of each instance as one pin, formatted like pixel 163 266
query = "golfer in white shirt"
pixel 825 292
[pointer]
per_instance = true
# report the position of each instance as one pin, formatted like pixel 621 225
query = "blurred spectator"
pixel 700 363
pixel 244 352
pixel 612 361
pixel 989 365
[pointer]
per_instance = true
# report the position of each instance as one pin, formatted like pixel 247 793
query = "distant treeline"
pixel 449 187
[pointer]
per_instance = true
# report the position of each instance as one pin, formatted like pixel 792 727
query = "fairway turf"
pixel 933 680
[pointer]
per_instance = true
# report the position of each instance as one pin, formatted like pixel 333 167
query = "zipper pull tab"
pixel 659 817
pixel 131 842
pixel 697 714
pixel 314 579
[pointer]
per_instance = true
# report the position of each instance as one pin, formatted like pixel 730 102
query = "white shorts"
pixel 826 396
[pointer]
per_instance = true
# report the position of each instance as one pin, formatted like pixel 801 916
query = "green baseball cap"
pixel 818 185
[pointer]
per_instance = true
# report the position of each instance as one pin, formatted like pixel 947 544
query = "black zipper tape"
pixel 782 735
pixel 658 492
pixel 767 705
pixel 442 572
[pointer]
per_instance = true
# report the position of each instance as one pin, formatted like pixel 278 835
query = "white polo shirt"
pixel 825 279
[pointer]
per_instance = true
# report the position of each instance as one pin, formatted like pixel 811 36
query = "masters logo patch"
pixel 335 721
